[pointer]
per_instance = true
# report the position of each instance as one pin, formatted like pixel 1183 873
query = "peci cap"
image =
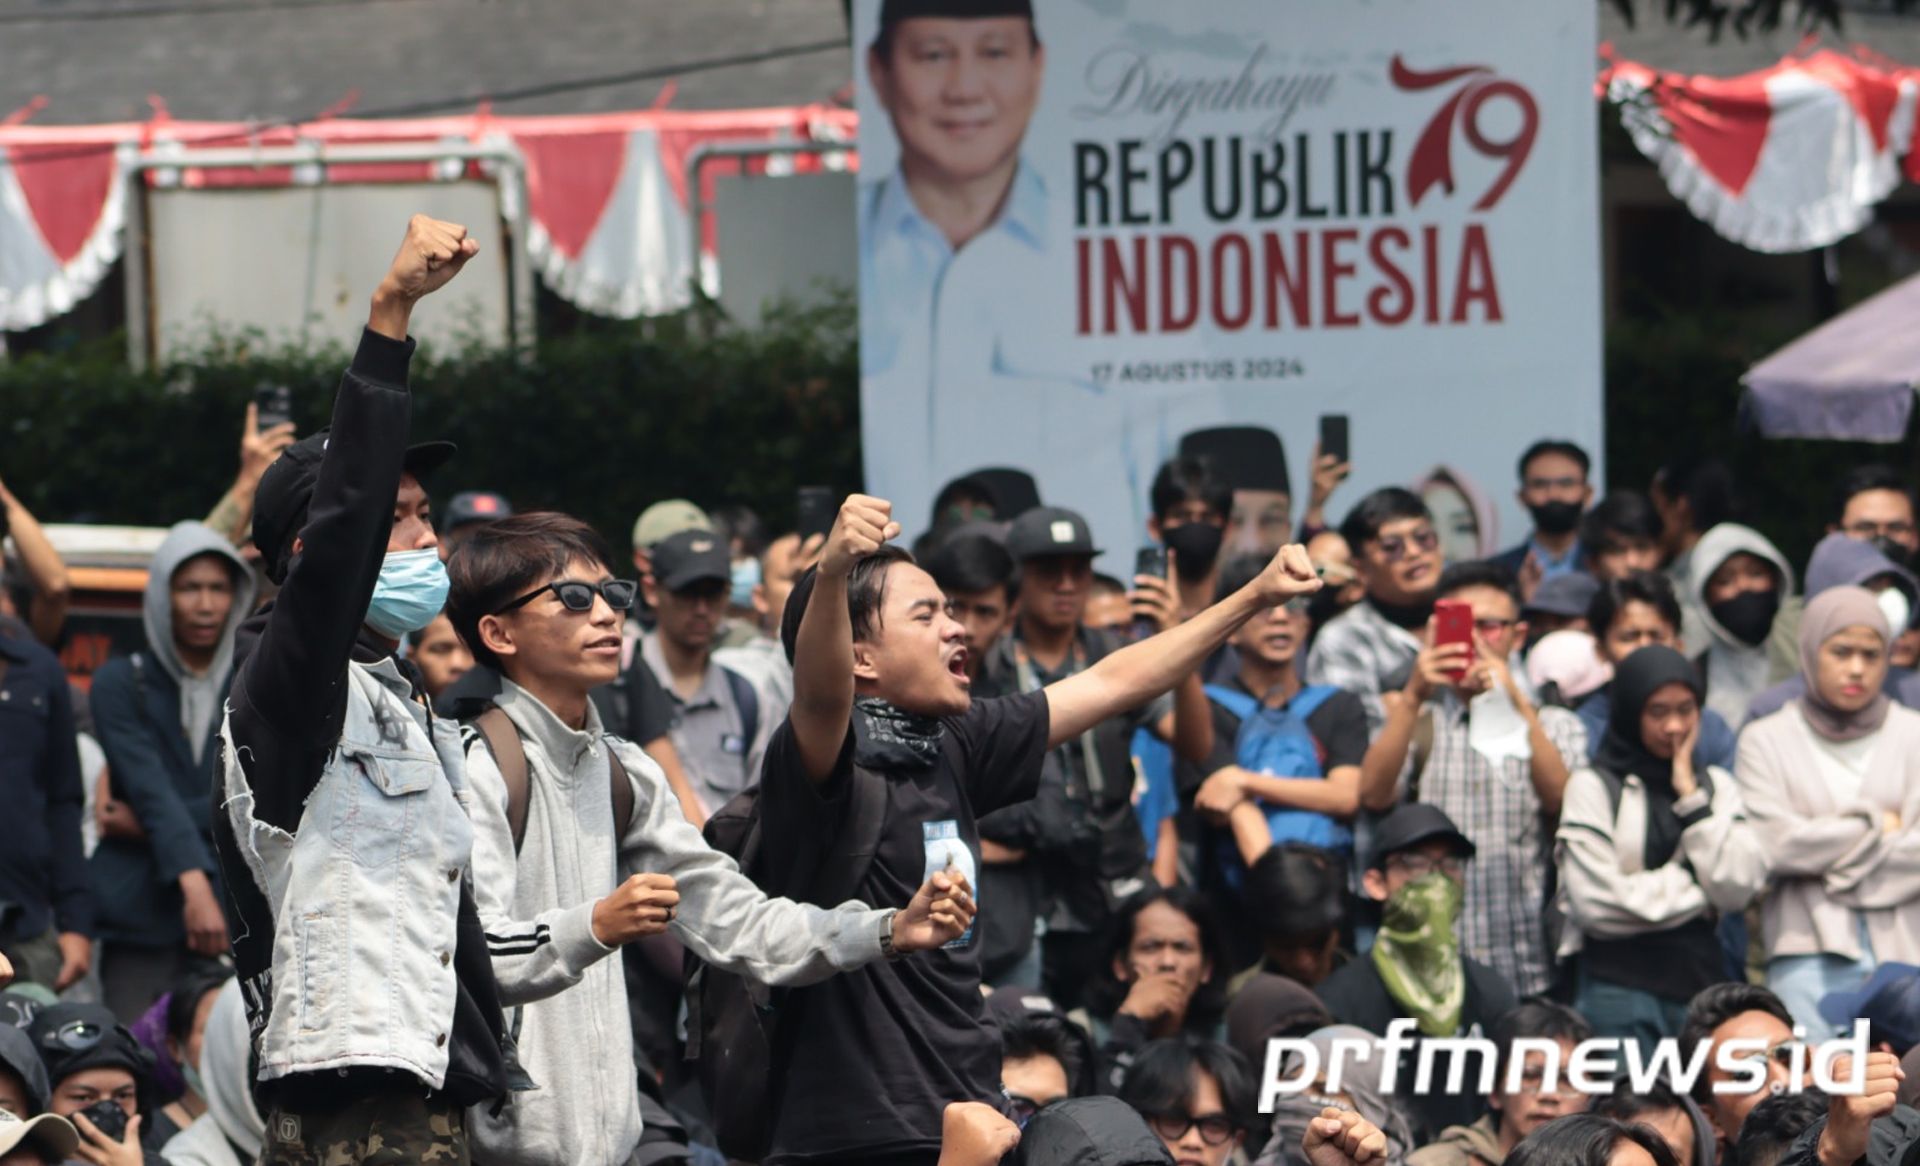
pixel 1049 530
pixel 471 506
pixel 286 490
pixel 662 520
pixel 51 1135
pixel 893 12
pixel 1566 594
pixel 1411 823
pixel 1889 1002
pixel 689 557
pixel 1249 457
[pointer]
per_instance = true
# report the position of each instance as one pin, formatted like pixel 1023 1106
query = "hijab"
pixel 1622 753
pixel 1827 615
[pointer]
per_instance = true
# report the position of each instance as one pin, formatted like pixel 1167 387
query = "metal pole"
pixel 697 159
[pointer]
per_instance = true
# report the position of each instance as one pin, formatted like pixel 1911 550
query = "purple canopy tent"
pixel 1851 379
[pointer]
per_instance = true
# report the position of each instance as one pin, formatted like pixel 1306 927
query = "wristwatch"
pixel 886 936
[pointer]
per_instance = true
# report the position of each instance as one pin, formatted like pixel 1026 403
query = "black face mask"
pixel 1902 556
pixel 1748 616
pixel 1555 518
pixel 1195 546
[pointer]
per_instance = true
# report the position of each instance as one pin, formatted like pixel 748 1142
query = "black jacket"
pixel 43 871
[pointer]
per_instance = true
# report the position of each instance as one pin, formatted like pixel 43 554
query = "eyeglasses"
pixel 1021 1109
pixel 1782 1053
pixel 1394 546
pixel 1420 866
pixel 578 596
pixel 1866 530
pixel 75 1036
pixel 1216 1129
pixel 1488 627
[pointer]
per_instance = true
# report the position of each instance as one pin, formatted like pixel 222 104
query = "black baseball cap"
pixel 1049 530
pixel 1889 1002
pixel 692 556
pixel 1249 457
pixel 286 490
pixel 1412 823
pixel 475 506
pixel 1567 594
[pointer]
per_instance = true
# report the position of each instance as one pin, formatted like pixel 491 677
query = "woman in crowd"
pixel 1359 1093
pixel 1585 1139
pixel 1832 784
pixel 187 1007
pixel 1651 849
pixel 1627 614
pixel 230 1133
pixel 1165 976
pixel 1196 1095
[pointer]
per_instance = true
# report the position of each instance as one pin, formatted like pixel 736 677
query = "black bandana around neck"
pixel 886 737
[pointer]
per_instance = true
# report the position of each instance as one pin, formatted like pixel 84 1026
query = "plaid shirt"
pixel 1497 809
pixel 1361 652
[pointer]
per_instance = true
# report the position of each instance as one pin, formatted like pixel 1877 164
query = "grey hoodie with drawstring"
pixel 155 719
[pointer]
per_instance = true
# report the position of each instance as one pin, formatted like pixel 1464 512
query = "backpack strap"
pixel 622 798
pixel 1309 699
pixel 844 864
pixel 747 700
pixel 1240 704
pixel 503 741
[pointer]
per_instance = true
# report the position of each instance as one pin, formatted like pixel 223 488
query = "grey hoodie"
pixel 567 999
pixel 199 692
pixel 231 1127
pixel 1735 671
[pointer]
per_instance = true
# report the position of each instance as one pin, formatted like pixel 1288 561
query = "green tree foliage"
pixel 600 423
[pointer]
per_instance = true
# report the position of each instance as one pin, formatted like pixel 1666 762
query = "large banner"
pixel 1088 233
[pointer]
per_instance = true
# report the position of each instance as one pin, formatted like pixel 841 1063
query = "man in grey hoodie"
pixel 567 884
pixel 1742 590
pixel 156 713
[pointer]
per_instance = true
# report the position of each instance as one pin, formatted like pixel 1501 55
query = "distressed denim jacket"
pixel 365 893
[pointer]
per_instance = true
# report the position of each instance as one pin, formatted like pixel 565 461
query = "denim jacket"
pixel 365 894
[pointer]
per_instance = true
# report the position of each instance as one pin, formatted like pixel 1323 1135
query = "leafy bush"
pixel 600 422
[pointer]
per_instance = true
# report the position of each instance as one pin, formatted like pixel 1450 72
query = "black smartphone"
pixel 816 508
pixel 273 405
pixel 1333 435
pixel 1151 561
pixel 108 1117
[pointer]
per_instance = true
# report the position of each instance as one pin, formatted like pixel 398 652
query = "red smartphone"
pixel 1453 624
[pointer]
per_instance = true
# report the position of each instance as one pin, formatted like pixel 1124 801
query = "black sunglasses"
pixel 578 596
pixel 1216 1129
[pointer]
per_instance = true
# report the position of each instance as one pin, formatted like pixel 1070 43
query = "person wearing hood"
pixel 1842 560
pixel 1080 1131
pixel 1359 1093
pixel 230 1132
pixel 1744 591
pixel 156 713
pixel 1464 515
pixel 91 1059
pixel 1651 849
pixel 1876 505
pixel 1555 491
pixel 24 1091
pixel 1832 785
pixel 1627 614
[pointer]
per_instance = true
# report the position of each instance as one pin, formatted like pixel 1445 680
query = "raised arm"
pixel 822 706
pixel 1138 673
pixel 232 516
pixel 46 572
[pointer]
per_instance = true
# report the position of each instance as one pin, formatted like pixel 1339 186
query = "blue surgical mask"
pixel 411 591
pixel 746 576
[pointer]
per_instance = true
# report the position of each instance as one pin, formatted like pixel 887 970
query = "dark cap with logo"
pixel 286 490
pixel 471 506
pixel 1247 456
pixel 692 556
pixel 1409 825
pixel 1049 530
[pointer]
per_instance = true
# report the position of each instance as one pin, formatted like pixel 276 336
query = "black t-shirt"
pixel 871 1058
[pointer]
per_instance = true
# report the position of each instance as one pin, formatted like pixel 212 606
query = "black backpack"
pixel 731 1036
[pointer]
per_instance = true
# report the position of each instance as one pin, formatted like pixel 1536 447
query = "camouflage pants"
pixel 398 1129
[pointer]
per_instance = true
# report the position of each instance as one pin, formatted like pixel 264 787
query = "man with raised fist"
pixel 883 726
pixel 345 843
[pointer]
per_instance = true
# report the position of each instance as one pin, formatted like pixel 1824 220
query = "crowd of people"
pixel 420 835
